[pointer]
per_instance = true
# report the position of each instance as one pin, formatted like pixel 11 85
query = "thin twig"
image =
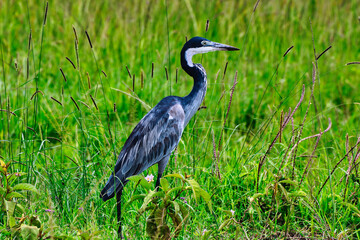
pixel 314 149
pixel 337 164
pixel 286 121
pixel 227 112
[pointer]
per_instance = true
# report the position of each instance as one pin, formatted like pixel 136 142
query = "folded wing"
pixel 154 138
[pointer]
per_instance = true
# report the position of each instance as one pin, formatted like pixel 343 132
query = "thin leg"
pixel 118 208
pixel 161 167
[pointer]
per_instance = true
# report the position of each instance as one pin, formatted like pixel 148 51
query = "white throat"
pixel 193 51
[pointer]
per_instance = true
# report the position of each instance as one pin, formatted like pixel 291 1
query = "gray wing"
pixel 154 138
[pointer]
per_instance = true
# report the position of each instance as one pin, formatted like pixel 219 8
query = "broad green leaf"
pixel 176 175
pixel 176 206
pixel 25 186
pixel 11 221
pixel 196 188
pixel 14 195
pixel 138 179
pixel 10 208
pixel 198 192
pixel 19 208
pixel 148 199
pixel 2 190
pixel 206 196
pixel 184 211
pixel 164 184
pixel 29 232
pixel 174 190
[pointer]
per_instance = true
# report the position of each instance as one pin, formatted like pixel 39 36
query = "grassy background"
pixel 69 151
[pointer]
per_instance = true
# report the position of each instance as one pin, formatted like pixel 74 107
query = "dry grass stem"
pixel 46 12
pixel 30 128
pixel 35 93
pixel 63 74
pixel 88 78
pixel 76 37
pixel 8 111
pixel 133 83
pixel 83 103
pixel 29 42
pixel 93 100
pixel 323 52
pixel 228 110
pixel 352 63
pixel 166 74
pixel 71 62
pixel 286 121
pixel 77 106
pixel 314 149
pixel 288 50
pixel 72 160
pixel 88 37
pixel 152 70
pixel 337 164
pixel 54 138
pixel 226 65
pixel 128 71
pixel 216 159
pixel 256 5
pixel 56 101
pixel 298 137
pixel 319 134
pixel 176 75
pixel 281 121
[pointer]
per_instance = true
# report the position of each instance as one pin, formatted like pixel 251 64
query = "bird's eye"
pixel 203 43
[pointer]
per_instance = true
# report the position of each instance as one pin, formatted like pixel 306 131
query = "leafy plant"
pixel 17 225
pixel 169 211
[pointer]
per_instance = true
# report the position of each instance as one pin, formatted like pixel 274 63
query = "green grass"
pixel 69 151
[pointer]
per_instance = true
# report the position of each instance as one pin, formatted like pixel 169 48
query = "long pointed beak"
pixel 223 47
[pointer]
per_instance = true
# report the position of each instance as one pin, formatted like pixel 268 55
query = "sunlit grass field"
pixel 77 76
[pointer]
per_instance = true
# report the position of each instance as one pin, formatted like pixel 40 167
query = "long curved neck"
pixel 192 102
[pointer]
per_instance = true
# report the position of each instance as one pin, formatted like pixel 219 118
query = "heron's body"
pixel 158 133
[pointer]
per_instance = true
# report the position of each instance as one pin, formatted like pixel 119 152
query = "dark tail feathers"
pixel 108 191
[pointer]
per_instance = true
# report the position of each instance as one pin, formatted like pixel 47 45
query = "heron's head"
pixel 198 45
